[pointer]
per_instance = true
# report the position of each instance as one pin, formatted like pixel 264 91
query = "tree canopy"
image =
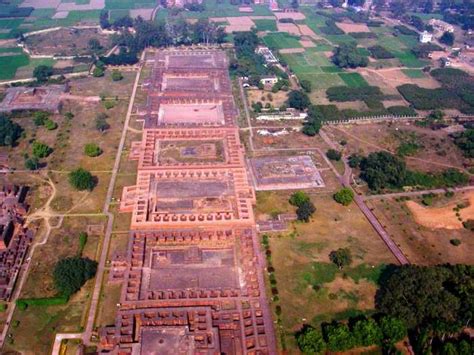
pixel 341 257
pixel 81 179
pixel 298 100
pixel 344 196
pixel 383 170
pixel 347 56
pixel 70 274
pixel 9 131
pixel 42 72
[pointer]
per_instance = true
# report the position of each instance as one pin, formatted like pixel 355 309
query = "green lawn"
pixel 354 80
pixel 281 40
pixel 409 60
pixel 129 4
pixel 266 25
pixel 414 73
pixel 323 81
pixel 10 64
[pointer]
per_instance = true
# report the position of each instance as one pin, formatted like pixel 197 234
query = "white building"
pixel 267 54
pixel 269 80
pixel 426 37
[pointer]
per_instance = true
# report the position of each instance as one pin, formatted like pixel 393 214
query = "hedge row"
pixel 44 301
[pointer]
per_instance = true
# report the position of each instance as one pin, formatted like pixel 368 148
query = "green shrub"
pixel 401 111
pixel 50 125
pixel 92 150
pixel 109 104
pixel 298 198
pixel 379 52
pixel 333 154
pixel 344 196
pixel 10 131
pixel 32 163
pixel 82 241
pixel 455 242
pixel 41 150
pixel 116 75
pixel 23 303
pixel 97 72
pixel 469 224
pixel 40 118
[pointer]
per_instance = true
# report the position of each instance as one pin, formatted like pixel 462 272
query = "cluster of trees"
pixel 347 56
pixel 333 154
pixel 346 93
pixel 70 274
pixel 41 118
pixel 248 63
pixel 42 73
pixel 304 207
pixel 379 52
pixel 383 331
pixel 298 100
pixel 313 122
pixel 10 131
pixel 465 142
pixel 438 313
pixel 383 170
pixel 331 28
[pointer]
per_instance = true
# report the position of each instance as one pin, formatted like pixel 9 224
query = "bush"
pixel 333 154
pixel 92 150
pixel 405 31
pixel 109 104
pixel 9 131
pixel 81 179
pixel 32 163
pixel 465 142
pixel 50 125
pixel 298 198
pixel 354 160
pixel 344 196
pixel 401 111
pixel 42 73
pixel 469 224
pixel 97 72
pixel 116 75
pixel 341 257
pixel 41 150
pixel 306 85
pixel 345 93
pixel 23 303
pixel 40 118
pixel 379 52
pixel 82 241
pixel 310 341
pixel 455 242
pixel 70 274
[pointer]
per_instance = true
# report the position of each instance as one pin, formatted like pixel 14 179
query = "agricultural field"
pixel 266 25
pixel 281 40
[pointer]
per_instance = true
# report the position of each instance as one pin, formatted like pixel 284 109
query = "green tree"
pixel 344 196
pixel 116 75
pixel 367 332
pixel 338 337
pixel 9 131
pixel 42 72
pixel 97 72
pixel 298 198
pixel 94 45
pixel 354 160
pixel 40 118
pixel 50 125
pixel 69 115
pixel 70 274
pixel 32 163
pixel 101 122
pixel 465 142
pixel 298 100
pixel 447 38
pixel 305 210
pixel 383 170
pixel 347 56
pixel 81 179
pixel 341 257
pixel 333 154
pixel 41 150
pixel 310 341
pixel 306 85
pixel 393 329
pixel 92 150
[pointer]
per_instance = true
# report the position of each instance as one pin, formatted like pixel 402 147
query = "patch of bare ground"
pixel 423 245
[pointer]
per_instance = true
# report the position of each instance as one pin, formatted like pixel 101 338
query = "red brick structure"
pixel 192 277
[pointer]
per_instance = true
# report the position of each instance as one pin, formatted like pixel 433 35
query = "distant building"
pixel 267 54
pixel 181 3
pixel 46 98
pixel 426 37
pixel 445 62
pixel 269 80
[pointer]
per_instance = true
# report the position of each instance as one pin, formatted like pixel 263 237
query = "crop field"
pixel 354 80
pixel 266 25
pixel 281 40
pixel 10 65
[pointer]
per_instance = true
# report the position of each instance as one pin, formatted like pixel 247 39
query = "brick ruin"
pixel 45 98
pixel 192 280
pixel 15 238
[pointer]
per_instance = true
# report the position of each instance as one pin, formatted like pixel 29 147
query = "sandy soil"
pixel 291 50
pixel 290 28
pixel 292 15
pixel 307 43
pixel 441 217
pixel 353 27
pixel 305 30
pixel 237 24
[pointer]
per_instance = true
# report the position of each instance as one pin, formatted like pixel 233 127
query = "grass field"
pixel 311 289
pixel 128 4
pixel 354 80
pixel 281 40
pixel 10 64
pixel 414 73
pixel 265 25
